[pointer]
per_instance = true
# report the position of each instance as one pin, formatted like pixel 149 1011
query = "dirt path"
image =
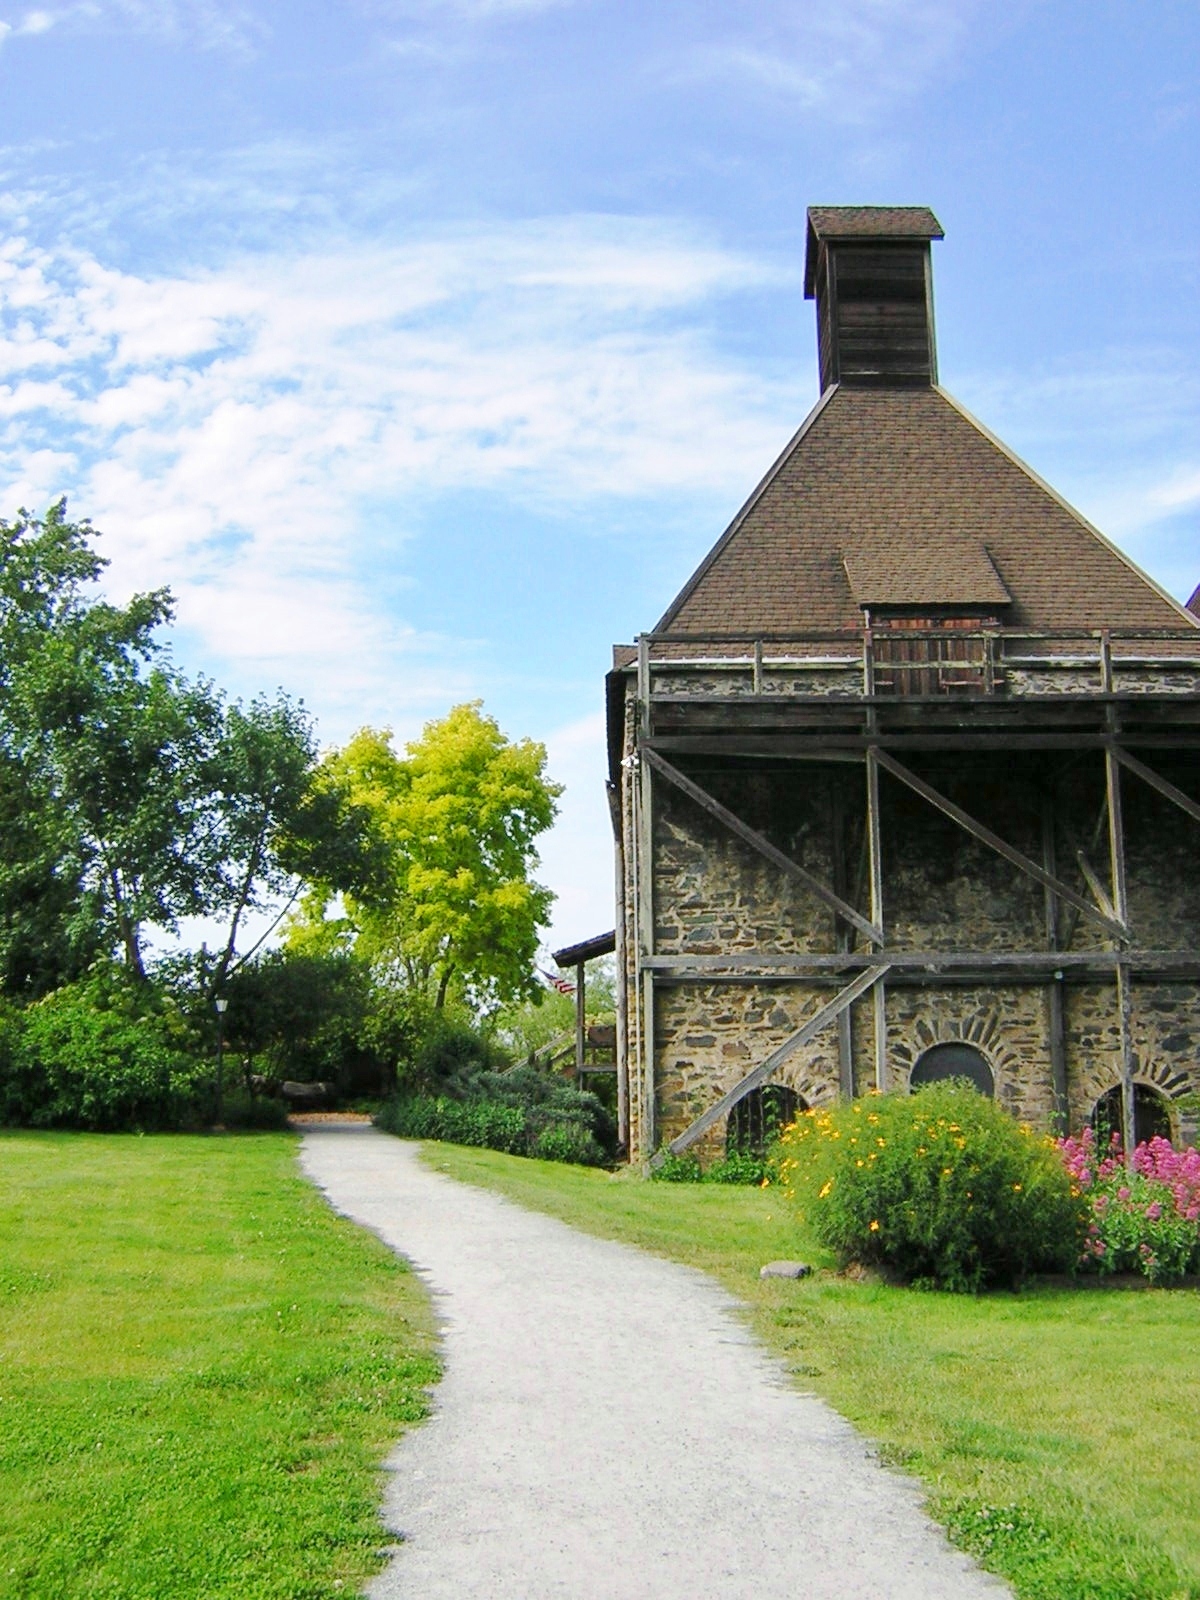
pixel 607 1429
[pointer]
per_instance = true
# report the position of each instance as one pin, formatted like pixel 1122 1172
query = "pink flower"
pixel 1154 1211
pixel 1124 1192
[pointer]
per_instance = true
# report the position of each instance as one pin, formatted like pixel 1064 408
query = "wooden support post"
pixel 1128 1103
pixel 767 1069
pixel 1056 1032
pixel 875 865
pixel 758 666
pixel 844 933
pixel 646 902
pixel 1116 834
pixel 881 1055
pixel 1116 850
pixel 622 936
pixel 580 1021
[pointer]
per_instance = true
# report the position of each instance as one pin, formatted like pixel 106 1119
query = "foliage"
pixel 466 1094
pixel 454 823
pixel 471 1122
pixel 529 1027
pixel 1016 1412
pixel 451 1054
pixel 941 1187
pixel 737 1166
pixel 129 797
pixel 204 1367
pixel 1144 1218
pixel 96 1055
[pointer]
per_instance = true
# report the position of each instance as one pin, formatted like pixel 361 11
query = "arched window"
pixel 953 1060
pixel 760 1117
pixel 1151 1118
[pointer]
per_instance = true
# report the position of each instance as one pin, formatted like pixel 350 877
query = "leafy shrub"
pixel 567 1141
pixel 738 1166
pixel 478 1122
pixel 524 1112
pixel 678 1169
pixel 1144 1218
pixel 450 1054
pixel 71 1061
pixel 941 1187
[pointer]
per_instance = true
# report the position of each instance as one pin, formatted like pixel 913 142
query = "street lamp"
pixel 222 1006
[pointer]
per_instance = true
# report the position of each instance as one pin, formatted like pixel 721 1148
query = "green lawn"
pixel 201 1370
pixel 1057 1431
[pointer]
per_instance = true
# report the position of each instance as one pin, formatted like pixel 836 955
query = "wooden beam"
pixel 761 843
pixel 993 840
pixel 1056 1031
pixel 622 996
pixel 874 842
pixel 645 882
pixel 799 963
pixel 843 933
pixel 1128 1099
pixel 1167 790
pixel 580 1018
pixel 1116 838
pixel 1092 878
pixel 879 997
pixel 767 1069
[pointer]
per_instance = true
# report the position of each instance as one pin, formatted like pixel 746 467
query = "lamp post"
pixel 222 1006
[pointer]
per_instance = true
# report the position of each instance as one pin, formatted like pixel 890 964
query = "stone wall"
pixel 942 890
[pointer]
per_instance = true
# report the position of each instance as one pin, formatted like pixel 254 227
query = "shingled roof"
pixel 884 481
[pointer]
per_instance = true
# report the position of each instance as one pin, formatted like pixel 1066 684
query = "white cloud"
pixel 229 427
pixel 205 23
pixel 844 57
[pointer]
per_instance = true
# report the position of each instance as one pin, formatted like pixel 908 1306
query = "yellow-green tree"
pixel 454 823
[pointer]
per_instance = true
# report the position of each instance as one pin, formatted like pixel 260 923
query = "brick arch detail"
pixel 981 1029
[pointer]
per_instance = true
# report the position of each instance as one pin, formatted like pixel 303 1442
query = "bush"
pixel 72 1061
pixel 526 1113
pixel 1145 1218
pixel 940 1187
pixel 739 1166
pixel 479 1122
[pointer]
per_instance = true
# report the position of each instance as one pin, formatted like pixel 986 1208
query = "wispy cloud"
pixel 206 24
pixel 844 57
pixel 238 430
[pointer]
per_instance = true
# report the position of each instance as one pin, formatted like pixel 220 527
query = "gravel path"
pixel 607 1429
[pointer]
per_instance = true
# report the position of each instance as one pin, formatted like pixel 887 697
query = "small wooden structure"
pixel 909 772
pixel 595 1047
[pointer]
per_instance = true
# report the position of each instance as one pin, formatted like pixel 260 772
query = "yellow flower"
pixel 881 1143
pixel 1017 1187
pixel 874 1227
pixel 825 1188
pixel 921 1150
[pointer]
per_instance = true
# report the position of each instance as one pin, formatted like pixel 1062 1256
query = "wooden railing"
pixel 949 660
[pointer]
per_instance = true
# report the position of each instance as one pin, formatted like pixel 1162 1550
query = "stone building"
pixel 905 781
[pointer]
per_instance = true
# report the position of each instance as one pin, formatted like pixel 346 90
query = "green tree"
pixel 129 796
pixel 454 823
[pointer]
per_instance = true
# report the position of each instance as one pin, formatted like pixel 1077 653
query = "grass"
pixel 1057 1431
pixel 201 1369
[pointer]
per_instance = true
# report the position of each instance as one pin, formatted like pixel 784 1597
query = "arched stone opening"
pixel 759 1117
pixel 1151 1115
pixel 954 1059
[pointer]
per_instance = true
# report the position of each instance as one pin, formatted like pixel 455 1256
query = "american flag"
pixel 560 984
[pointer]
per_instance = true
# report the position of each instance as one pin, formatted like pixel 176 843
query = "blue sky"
pixel 423 346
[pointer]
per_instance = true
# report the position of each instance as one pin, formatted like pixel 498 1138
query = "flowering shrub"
pixel 941 1187
pixel 1144 1218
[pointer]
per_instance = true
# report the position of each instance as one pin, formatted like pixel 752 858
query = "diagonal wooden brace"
pixel 763 845
pixel 1167 790
pixel 766 1069
pixel 1001 846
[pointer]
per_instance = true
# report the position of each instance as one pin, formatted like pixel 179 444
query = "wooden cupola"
pixel 868 268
